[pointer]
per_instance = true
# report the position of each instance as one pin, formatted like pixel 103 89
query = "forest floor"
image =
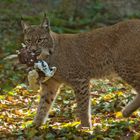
pixel 18 108
pixel 18 105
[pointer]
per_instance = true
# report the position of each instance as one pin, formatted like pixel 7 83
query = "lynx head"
pixel 38 38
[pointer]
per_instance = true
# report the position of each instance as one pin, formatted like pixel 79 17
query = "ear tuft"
pixel 45 23
pixel 24 25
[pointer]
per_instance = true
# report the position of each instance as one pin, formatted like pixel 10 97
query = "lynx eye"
pixel 28 41
pixel 39 40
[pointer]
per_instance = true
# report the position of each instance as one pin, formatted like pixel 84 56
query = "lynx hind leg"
pixel 82 94
pixel 131 107
pixel 47 96
pixel 131 74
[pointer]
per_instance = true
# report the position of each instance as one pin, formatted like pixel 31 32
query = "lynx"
pixel 83 56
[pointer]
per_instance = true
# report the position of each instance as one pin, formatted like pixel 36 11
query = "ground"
pixel 18 106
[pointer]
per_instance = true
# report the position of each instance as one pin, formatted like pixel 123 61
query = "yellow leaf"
pixel 120 93
pixel 118 114
pixel 1 117
pixel 136 113
pixel 94 102
pixel 10 98
pixel 9 120
pixel 3 106
pixel 108 97
pixel 18 112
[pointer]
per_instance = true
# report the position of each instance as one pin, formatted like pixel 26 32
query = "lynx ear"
pixel 45 23
pixel 24 25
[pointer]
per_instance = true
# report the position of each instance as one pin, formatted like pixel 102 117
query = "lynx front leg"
pixel 83 102
pixel 48 94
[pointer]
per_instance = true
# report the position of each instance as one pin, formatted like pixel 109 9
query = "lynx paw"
pixel 126 113
pixel 83 126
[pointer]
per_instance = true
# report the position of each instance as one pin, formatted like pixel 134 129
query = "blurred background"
pixel 69 16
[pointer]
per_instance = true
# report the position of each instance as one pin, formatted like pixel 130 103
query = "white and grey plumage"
pixel 43 66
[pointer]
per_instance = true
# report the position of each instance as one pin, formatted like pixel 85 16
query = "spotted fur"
pixel 80 57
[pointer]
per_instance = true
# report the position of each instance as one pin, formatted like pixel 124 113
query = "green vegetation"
pixel 18 105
